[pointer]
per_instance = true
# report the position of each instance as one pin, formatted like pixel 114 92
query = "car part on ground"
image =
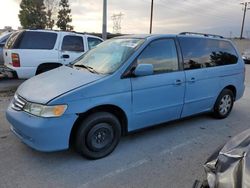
pixel 230 167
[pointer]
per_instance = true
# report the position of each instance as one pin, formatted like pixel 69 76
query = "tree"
pixel 32 14
pixel 51 11
pixel 64 16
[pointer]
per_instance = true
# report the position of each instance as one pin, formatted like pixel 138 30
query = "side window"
pixel 203 53
pixel 225 54
pixel 92 42
pixel 73 43
pixel 37 40
pixel 161 54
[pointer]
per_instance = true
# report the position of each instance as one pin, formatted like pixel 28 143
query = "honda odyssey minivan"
pixel 125 84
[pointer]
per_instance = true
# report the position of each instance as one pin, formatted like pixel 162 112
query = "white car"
pixel 246 56
pixel 31 52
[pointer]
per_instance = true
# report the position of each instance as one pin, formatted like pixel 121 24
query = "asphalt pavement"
pixel 167 156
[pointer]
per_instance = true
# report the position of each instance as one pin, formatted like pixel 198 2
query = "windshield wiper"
pixel 90 69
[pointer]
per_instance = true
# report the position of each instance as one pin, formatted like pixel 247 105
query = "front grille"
pixel 18 103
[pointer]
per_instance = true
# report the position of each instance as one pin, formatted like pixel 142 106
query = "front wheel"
pixel 98 135
pixel 224 104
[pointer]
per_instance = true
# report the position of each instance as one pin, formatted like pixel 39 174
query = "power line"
pixel 244 16
pixel 117 22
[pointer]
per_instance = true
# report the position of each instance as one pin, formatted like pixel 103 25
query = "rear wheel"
pixel 98 135
pixel 224 104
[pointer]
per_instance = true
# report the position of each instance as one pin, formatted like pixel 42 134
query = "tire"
pixel 98 135
pixel 224 104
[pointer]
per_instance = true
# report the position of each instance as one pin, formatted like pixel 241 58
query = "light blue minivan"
pixel 125 84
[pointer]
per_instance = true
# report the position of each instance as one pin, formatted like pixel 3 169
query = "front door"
pixel 159 97
pixel 72 47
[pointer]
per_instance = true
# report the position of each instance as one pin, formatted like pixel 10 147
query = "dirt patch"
pixel 8 93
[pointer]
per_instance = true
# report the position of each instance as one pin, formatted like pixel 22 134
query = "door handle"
pixel 192 80
pixel 177 82
pixel 65 56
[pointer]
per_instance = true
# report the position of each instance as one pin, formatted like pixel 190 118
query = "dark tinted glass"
pixel 92 42
pixel 202 53
pixel 73 43
pixel 161 54
pixel 37 40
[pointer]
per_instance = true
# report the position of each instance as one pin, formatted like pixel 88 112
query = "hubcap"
pixel 225 104
pixel 100 137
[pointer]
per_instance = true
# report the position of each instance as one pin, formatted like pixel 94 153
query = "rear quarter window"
pixel 37 40
pixel 203 53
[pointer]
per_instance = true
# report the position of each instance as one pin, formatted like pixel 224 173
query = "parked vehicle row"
pixel 126 84
pixel 31 52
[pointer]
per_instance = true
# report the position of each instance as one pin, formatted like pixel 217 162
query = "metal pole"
pixel 151 17
pixel 243 21
pixel 104 21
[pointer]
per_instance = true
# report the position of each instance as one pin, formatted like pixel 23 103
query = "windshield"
pixel 108 56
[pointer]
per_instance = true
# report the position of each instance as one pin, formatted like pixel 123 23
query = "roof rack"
pixel 201 34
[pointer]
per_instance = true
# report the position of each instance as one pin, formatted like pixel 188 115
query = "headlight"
pixel 44 111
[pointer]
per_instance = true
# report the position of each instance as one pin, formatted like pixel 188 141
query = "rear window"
pixel 203 53
pixel 37 40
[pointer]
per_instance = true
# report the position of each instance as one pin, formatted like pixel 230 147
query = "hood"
pixel 47 86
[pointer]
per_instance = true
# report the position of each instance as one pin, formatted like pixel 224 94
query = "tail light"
pixel 15 60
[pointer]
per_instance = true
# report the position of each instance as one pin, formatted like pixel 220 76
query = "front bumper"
pixel 42 134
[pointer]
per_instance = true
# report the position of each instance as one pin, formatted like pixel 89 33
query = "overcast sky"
pixel 170 16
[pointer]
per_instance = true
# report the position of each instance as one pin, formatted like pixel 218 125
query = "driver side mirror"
pixel 144 70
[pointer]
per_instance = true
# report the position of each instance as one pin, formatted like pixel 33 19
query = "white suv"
pixel 30 52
